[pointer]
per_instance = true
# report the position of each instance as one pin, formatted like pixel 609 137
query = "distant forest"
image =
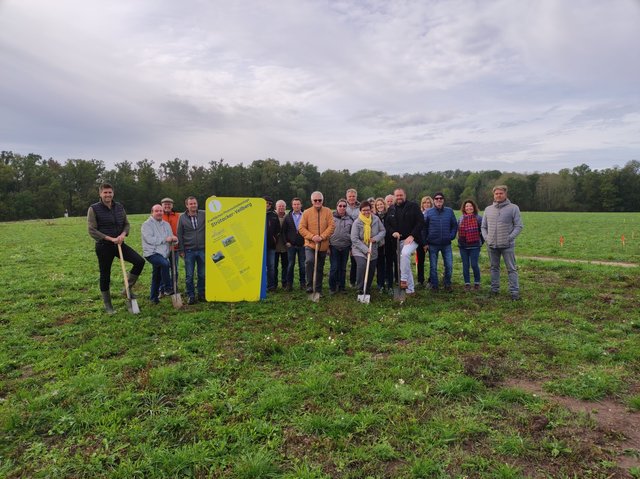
pixel 33 187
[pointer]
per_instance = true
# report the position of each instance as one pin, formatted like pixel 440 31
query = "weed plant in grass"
pixel 290 388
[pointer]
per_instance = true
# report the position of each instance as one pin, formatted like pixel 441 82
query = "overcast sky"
pixel 398 86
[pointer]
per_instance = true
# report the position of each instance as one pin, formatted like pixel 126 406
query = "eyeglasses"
pixel 365 210
pixel 439 198
pixel 317 201
pixel 342 206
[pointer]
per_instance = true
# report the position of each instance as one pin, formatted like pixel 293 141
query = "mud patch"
pixel 619 427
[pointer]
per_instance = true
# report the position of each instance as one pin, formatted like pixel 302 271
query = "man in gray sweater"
pixel 501 225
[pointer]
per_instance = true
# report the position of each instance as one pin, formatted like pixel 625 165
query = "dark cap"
pixel 166 200
pixel 439 193
pixel 268 199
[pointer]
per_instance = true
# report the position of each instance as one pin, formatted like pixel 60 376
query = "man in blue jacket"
pixel 440 230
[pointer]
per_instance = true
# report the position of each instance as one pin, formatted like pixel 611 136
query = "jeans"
pixel 193 257
pixel 362 266
pixel 283 259
pixel 406 255
pixel 292 252
pixel 469 257
pixel 271 269
pixel 160 278
pixel 309 262
pixel 106 251
pixel 447 257
pixel 338 268
pixel 509 257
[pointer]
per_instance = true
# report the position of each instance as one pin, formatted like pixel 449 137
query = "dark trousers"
pixel 421 258
pixel 362 267
pixel 309 262
pixel 283 259
pixel 381 267
pixel 338 268
pixel 292 252
pixel 391 260
pixel 353 271
pixel 106 251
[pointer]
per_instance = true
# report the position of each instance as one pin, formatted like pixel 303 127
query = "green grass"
pixel 291 389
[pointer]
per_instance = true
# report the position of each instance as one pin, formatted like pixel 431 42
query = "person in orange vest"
pixel 171 217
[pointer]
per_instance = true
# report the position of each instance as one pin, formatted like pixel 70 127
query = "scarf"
pixel 469 231
pixel 367 228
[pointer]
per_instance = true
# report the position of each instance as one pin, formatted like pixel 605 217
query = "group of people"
pixel 387 233
pixel 382 236
pixel 166 236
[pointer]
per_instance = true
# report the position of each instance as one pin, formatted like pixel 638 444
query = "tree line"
pixel 34 187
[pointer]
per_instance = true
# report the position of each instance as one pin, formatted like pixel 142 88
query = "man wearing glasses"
pixel 316 227
pixel 440 229
pixel 405 222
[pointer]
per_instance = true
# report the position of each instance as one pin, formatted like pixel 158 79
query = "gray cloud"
pixel 397 86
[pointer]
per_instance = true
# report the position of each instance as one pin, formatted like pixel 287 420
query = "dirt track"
pixel 586 261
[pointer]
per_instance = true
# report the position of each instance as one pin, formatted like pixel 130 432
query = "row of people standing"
pixel 409 229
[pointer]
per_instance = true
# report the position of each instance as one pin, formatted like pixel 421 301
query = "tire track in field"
pixel 585 261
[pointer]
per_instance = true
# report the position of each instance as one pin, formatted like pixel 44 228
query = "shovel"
pixel 399 294
pixel 364 297
pixel 132 304
pixel 315 296
pixel 176 299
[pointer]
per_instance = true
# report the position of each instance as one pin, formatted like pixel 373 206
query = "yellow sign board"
pixel 235 249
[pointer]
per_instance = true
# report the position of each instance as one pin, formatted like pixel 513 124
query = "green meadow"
pixel 459 385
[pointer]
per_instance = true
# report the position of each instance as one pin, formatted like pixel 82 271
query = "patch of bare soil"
pixel 585 261
pixel 619 426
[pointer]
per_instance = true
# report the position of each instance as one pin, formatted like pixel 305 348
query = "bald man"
pixel 157 238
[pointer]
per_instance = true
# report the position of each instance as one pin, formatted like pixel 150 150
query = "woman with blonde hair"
pixel 425 203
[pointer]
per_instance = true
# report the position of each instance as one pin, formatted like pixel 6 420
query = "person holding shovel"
pixel 108 226
pixel 157 240
pixel 366 233
pixel 316 227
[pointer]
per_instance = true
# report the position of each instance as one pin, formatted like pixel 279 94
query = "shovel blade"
pixel 315 297
pixel 132 306
pixel 364 298
pixel 176 300
pixel 399 294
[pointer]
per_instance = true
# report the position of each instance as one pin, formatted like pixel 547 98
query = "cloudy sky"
pixel 399 86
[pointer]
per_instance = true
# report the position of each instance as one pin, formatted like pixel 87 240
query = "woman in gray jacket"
pixel 367 229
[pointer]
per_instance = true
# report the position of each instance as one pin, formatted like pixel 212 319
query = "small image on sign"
pixel 229 240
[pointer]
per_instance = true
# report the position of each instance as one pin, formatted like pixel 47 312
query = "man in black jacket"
pixel 295 243
pixel 404 220
pixel 273 230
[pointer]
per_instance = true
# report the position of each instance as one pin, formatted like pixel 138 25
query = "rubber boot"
pixel 108 307
pixel 131 278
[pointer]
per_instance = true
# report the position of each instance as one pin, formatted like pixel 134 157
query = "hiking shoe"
pixel 476 286
pixel 467 287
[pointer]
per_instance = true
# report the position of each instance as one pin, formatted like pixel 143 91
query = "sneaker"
pixel 476 286
pixel 515 297
pixel 448 288
pixel 403 285
pixel 467 287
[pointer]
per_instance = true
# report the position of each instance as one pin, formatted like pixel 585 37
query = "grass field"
pixel 446 385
